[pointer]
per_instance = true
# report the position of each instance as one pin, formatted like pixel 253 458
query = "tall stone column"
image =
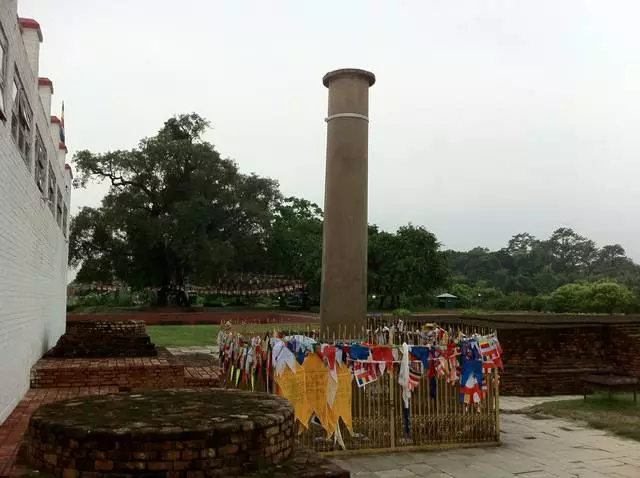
pixel 343 303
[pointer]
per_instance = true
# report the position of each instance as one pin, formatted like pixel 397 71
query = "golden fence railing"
pixel 436 417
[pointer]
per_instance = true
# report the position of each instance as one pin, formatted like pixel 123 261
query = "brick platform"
pixel 99 338
pixel 196 377
pixel 178 433
pixel 60 379
pixel 125 372
pixel 13 428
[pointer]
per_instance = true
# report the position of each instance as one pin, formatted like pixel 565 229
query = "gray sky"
pixel 489 118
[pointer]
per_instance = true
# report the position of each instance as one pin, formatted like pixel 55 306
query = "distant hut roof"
pixel 446 295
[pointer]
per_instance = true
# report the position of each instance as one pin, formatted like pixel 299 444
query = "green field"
pixel 619 415
pixel 202 335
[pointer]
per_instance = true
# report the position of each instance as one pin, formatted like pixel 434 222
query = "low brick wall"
pixel 170 433
pixel 130 328
pixel 125 372
pixel 548 355
pixel 178 317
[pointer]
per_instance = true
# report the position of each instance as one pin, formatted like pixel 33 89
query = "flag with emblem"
pixel 491 352
pixel 62 125
pixel 364 374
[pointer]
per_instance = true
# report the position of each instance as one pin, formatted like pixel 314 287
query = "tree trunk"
pixel 306 303
pixel 163 296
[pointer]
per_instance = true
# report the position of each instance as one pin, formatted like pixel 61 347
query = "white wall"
pixel 33 248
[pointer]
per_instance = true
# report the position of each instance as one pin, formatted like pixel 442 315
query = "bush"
pixel 123 298
pixel 513 301
pixel 213 300
pixel 541 303
pixel 610 297
pixel 401 313
pixel 605 296
pixel 417 302
pixel 570 298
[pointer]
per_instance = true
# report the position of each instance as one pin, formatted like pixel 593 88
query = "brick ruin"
pixel 548 355
pixel 101 338
pixel 170 433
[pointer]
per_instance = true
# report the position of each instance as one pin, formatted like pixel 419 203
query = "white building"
pixel 35 186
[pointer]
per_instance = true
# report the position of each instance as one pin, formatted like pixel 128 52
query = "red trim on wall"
pixel 42 81
pixel 31 24
pixel 55 119
pixel 68 168
pixel 61 145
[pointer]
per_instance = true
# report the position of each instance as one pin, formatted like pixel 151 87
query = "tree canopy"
pixel 406 263
pixel 533 266
pixel 175 209
pixel 178 212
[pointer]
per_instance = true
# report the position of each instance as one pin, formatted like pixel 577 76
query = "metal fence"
pixel 436 420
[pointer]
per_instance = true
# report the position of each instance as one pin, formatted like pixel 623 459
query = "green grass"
pixel 182 335
pixel 619 415
pixel 201 335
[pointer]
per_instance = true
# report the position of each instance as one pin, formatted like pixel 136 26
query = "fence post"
pixel 497 392
pixel 392 389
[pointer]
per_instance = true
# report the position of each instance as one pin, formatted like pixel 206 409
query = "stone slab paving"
pixel 513 404
pixel 210 349
pixel 530 448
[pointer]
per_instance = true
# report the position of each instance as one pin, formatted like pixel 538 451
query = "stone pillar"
pixel 343 304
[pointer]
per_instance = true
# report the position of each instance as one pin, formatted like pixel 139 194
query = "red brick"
pixel 69 473
pixel 159 465
pixel 103 465
pixel 188 455
pixel 180 465
pixel 171 455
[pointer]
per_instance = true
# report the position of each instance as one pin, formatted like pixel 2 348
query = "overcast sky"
pixel 488 118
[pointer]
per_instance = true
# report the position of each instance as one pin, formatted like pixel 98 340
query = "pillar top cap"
pixel 349 73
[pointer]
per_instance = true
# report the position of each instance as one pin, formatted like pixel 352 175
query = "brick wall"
pixel 126 372
pixel 623 346
pixel 33 250
pixel 550 361
pixel 548 355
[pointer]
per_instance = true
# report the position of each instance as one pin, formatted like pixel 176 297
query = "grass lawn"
pixel 619 415
pixel 187 335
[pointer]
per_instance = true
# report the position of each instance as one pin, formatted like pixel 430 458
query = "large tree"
pixel 176 211
pixel 407 263
pixel 294 246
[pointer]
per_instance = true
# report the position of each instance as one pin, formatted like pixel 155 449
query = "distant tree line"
pixel 178 212
pixel 564 273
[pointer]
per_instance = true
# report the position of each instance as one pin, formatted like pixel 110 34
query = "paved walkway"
pixel 210 349
pixel 530 448
pixel 513 404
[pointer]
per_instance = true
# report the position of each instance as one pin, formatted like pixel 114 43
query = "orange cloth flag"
pixel 292 386
pixel 307 391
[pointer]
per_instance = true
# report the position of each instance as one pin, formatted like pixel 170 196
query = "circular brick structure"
pixel 173 433
pixel 98 338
